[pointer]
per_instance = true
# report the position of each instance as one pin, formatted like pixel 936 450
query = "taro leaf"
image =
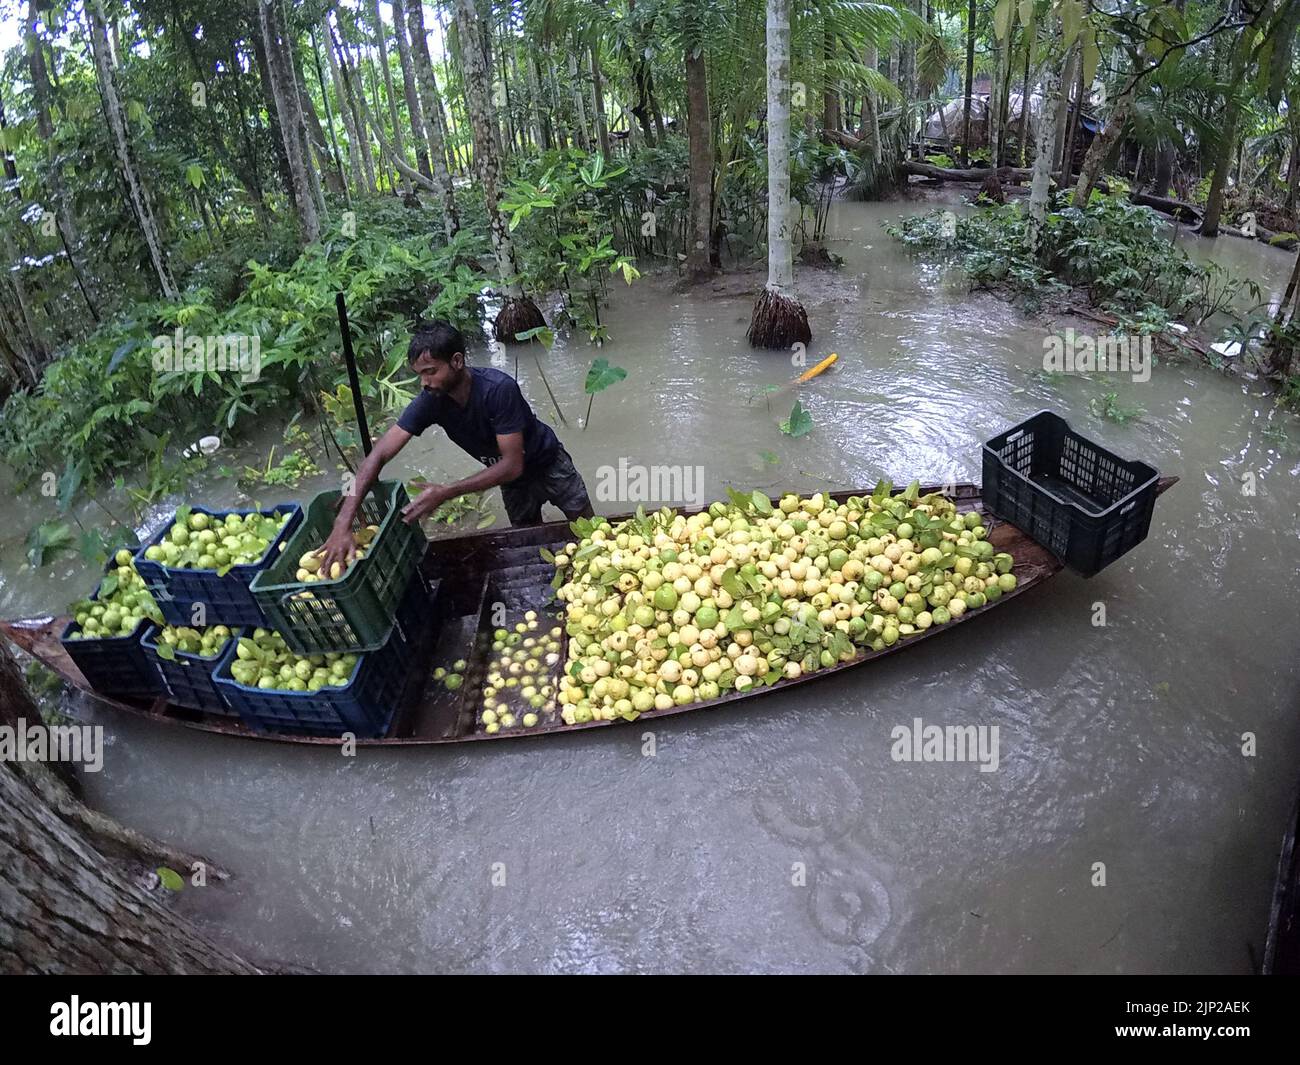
pixel 171 879
pixel 541 333
pixel 762 504
pixel 799 423
pixel 602 375
pixel 166 652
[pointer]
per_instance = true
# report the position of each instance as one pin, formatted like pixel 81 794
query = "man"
pixel 482 411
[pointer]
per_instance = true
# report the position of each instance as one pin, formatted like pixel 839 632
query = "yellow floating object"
pixel 825 364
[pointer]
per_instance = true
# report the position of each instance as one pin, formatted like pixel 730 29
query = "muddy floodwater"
pixel 781 836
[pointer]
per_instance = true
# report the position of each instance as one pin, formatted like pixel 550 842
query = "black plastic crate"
pixel 1082 502
pixel 116 665
pixel 227 599
pixel 189 677
pixel 366 706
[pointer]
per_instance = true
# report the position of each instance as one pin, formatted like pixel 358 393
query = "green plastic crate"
pixel 353 612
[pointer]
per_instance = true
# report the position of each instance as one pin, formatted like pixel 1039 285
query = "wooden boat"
pixel 465 568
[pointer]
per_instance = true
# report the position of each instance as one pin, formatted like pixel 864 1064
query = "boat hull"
pixel 460 564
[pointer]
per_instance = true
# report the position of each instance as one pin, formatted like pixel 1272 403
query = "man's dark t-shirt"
pixel 495 408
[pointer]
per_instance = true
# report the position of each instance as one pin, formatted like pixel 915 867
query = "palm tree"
pixel 779 319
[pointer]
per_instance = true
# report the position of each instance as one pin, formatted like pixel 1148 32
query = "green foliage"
pixel 105 406
pixel 1112 249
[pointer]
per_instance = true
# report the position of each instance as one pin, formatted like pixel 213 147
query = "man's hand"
pixel 425 503
pixel 339 548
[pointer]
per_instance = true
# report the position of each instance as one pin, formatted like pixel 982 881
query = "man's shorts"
pixel 558 484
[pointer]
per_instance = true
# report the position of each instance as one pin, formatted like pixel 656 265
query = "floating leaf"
pixel 799 423
pixel 45 539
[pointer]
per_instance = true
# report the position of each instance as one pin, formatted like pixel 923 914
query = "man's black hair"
pixel 440 339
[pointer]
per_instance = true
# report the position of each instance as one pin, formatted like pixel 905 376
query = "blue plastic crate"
pixel 189 677
pixel 115 665
pixel 226 600
pixel 365 706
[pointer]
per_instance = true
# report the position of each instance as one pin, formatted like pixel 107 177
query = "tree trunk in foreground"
pixel 64 907
pixel 779 320
pixel 519 313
